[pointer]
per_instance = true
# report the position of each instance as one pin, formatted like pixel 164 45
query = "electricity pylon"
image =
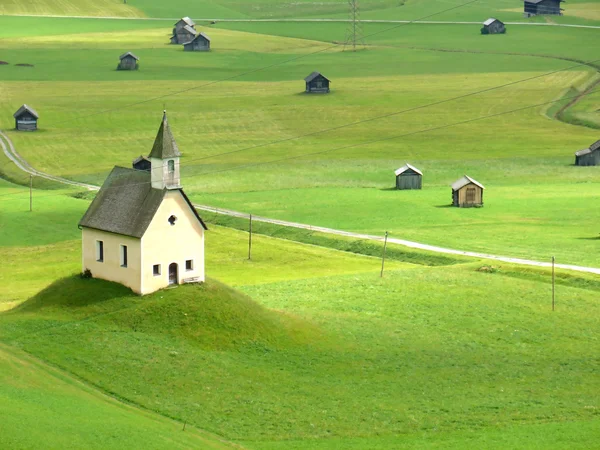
pixel 355 36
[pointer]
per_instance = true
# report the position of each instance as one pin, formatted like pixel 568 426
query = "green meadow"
pixel 306 346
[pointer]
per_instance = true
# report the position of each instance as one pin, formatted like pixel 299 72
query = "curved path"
pixel 10 151
pixel 426 22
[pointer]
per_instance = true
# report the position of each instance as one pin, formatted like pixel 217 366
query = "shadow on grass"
pixel 392 189
pixel 73 292
pixel 448 205
pixel 597 238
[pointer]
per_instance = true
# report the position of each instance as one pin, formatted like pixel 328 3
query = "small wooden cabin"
pixel 316 82
pixel 201 43
pixel 408 177
pixel 128 61
pixel 467 192
pixel 141 163
pixel 542 8
pixel 589 156
pixel 493 26
pixel 26 119
pixel 183 35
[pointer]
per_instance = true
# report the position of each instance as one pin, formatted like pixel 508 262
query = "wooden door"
pixel 173 275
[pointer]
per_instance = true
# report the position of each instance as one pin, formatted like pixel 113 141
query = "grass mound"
pixel 210 315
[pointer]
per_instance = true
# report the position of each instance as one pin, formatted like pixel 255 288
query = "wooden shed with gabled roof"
pixel 588 156
pixel 542 8
pixel 467 192
pixel 201 43
pixel 26 119
pixel 317 82
pixel 493 26
pixel 128 61
pixel 184 34
pixel 408 177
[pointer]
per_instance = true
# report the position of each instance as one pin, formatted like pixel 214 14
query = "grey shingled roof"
pixel 129 54
pixel 164 144
pixel 314 75
pixel 461 182
pixel 28 109
pixel 198 36
pixel 187 21
pixel 585 151
pixel 190 30
pixel 127 203
pixel 535 2
pixel 490 21
pixel 595 146
pixel 405 167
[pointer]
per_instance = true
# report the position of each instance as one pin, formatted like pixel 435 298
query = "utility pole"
pixel 383 255
pixel 250 238
pixel 30 192
pixel 354 32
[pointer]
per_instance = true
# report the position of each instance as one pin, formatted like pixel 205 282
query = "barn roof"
pixel 190 30
pixel 595 146
pixel 535 2
pixel 126 203
pixel 585 151
pixel 490 21
pixel 406 167
pixel 198 36
pixel 187 21
pixel 462 182
pixel 164 144
pixel 314 75
pixel 124 55
pixel 23 109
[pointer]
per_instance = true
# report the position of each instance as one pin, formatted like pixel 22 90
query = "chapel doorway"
pixel 173 273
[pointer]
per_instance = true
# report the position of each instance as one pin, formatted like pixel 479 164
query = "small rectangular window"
pixel 189 264
pixel 156 270
pixel 123 256
pixel 100 251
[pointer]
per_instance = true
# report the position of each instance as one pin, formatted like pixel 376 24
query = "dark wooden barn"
pixel 542 8
pixel 26 119
pixel 589 156
pixel 316 82
pixel 141 163
pixel 201 43
pixel 128 61
pixel 184 34
pixel 467 192
pixel 408 177
pixel 493 26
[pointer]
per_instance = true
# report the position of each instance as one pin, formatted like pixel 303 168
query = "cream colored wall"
pixel 462 195
pixel 111 268
pixel 164 244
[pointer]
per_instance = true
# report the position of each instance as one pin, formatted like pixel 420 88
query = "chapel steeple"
pixel 164 158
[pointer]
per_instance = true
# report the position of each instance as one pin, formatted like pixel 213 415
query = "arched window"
pixel 171 164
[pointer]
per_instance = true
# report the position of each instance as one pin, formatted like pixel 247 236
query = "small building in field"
pixel 141 230
pixel 493 26
pixel 178 29
pixel 542 8
pixel 201 43
pixel 316 82
pixel 26 119
pixel 184 35
pixel 589 156
pixel 467 192
pixel 128 61
pixel 408 177
pixel 141 163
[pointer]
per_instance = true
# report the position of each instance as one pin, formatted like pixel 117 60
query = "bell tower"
pixel 164 159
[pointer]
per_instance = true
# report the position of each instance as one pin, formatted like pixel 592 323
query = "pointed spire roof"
pixel 164 144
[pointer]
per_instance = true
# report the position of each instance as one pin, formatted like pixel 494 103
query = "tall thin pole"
pixel 553 283
pixel 250 238
pixel 30 192
pixel 383 255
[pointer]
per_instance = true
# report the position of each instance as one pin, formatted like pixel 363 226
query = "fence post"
pixel 383 255
pixel 250 238
pixel 553 283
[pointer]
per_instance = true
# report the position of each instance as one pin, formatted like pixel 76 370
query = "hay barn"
pixel 408 177
pixel 589 156
pixel 316 82
pixel 542 8
pixel 26 119
pixel 128 61
pixel 467 192
pixel 493 26
pixel 201 43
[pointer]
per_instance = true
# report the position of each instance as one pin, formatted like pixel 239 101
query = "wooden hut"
pixel 26 119
pixel 408 177
pixel 128 61
pixel 542 8
pixel 493 26
pixel 141 163
pixel 589 156
pixel 316 82
pixel 183 34
pixel 201 43
pixel 466 192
